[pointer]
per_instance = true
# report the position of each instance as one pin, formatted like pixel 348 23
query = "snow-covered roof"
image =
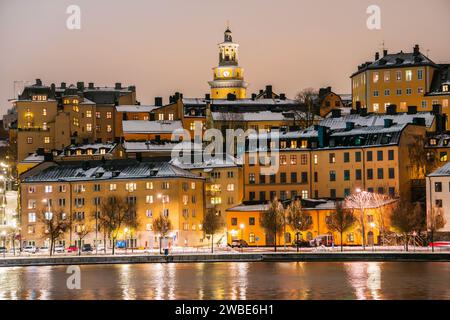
pixel 143 146
pixel 33 158
pixel 135 108
pixel 116 170
pixel 375 120
pixel 250 208
pixel 442 171
pixel 219 161
pixel 143 126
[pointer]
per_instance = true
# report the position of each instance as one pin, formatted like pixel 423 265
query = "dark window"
pixel 370 190
pixel 316 177
pixel 251 195
pixel 273 194
pixel 251 221
pixel 381 190
pixel 380 155
pixel 293 177
pixel 369 156
pixel 391 173
pixel 234 221
pixel 333 193
pixel 358 156
pixel 391 155
pixel 262 196
pixel 304 177
pixel 438 187
pixel 272 178
pixel 262 178
pixel 358 175
pixel 346 175
pixel 369 174
pixel 438 203
pixel 283 177
pixel 346 192
pixel 346 157
pixel 380 172
pixel 332 175
pixel 392 191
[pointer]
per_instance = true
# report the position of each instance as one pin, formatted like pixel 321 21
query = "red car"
pixel 72 249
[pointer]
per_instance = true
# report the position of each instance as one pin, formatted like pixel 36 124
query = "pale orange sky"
pixel 163 46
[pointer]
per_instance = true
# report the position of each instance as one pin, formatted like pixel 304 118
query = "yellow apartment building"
pixel 403 79
pixel 78 192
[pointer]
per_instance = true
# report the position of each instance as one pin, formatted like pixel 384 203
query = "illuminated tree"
pixel 55 225
pixel 298 219
pixel 435 222
pixel 272 220
pixel 407 218
pixel 341 220
pixel 360 200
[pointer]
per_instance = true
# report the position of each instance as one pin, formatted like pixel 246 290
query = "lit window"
pixel 445 88
pixel 44 111
pixel 161 116
pixel 149 227
pixel 131 186
pixel 304 194
pixel 304 144
pixel 149 199
pixel 89 127
pixel 112 187
pixel 108 115
pixel 97 114
pixel 102 151
pixel 29 140
pixel 230 187
pixel 88 114
pixel 170 116
pixel 376 107
pixel 108 128
pixel 216 200
pixel 316 159
pixel 192 126
pixel 387 76
pixel 408 75
pixel 31 217
pixel 46 139
pixel 376 77
pixel 193 185
pixel 48 189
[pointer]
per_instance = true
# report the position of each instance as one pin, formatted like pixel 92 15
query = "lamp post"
pixel 242 226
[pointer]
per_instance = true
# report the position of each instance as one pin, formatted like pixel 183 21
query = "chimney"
pixel 391 110
pixel 91 85
pixel 416 50
pixel 63 85
pixel 158 101
pixel 38 82
pixel 412 109
pixel 323 135
pixel 207 96
pixel 53 89
pixel 377 56
pixel 282 96
pixel 48 156
pixel 253 96
pixel 268 91
pixel 132 88
pixel 118 86
pixel 388 123
pixel 80 85
pixel 358 106
pixel 335 113
pixel 349 126
pixel 363 112
pixel 385 53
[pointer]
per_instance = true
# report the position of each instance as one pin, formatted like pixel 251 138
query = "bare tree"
pixel 304 115
pixel 162 225
pixel 360 200
pixel 379 201
pixel 273 219
pixel 298 219
pixel 212 222
pixel 407 218
pixel 418 157
pixel 435 222
pixel 55 224
pixel 81 230
pixel 341 220
pixel 115 214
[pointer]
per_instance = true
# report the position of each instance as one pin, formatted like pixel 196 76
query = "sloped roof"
pixel 144 126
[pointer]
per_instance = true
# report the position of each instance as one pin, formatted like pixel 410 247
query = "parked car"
pixel 325 239
pixel 60 249
pixel 241 243
pixel 43 250
pixel 100 247
pixel 3 250
pixel 29 249
pixel 87 248
pixel 72 249
pixel 301 243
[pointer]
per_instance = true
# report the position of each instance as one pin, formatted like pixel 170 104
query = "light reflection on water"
pixel 234 280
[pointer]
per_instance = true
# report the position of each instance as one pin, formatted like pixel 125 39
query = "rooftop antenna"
pixel 428 52
pixel 383 45
pixel 228 24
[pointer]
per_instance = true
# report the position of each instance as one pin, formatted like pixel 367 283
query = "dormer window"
pixel 102 151
pixel 433 142
pixel 445 88
pixel 39 97
pixel 445 142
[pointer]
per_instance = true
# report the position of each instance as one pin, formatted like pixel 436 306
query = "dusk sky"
pixel 163 46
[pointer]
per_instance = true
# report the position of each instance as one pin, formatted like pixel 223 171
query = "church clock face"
pixel 226 73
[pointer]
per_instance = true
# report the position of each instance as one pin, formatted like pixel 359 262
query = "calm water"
pixel 352 280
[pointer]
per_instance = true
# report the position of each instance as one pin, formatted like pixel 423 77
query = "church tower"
pixel 228 76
